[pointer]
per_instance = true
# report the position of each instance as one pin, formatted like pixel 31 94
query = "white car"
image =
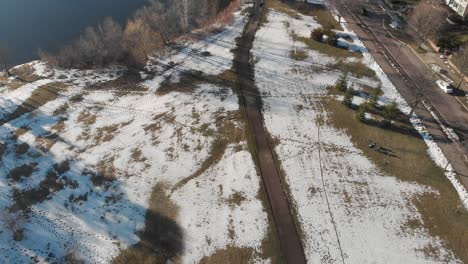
pixel 445 86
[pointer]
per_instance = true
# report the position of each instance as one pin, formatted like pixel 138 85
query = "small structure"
pixel 459 6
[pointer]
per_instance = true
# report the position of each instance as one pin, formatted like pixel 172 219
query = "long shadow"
pixel 52 211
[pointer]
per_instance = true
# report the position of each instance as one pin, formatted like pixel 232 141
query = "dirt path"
pixel 291 247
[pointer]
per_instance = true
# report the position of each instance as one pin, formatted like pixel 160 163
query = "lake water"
pixel 27 25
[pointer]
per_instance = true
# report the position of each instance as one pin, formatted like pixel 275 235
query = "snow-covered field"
pixel 348 209
pixel 90 185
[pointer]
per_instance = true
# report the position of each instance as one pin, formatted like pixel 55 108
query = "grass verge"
pixel 443 215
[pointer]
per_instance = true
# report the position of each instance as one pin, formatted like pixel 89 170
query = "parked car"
pixel 445 86
pixel 395 25
pixel 438 69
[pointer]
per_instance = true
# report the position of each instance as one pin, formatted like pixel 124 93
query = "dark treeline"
pixel 151 28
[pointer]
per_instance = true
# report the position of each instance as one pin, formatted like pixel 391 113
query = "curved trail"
pixel 291 247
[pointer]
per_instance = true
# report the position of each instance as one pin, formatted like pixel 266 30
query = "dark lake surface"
pixel 27 25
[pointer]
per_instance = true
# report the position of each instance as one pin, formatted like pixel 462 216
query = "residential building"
pixel 459 6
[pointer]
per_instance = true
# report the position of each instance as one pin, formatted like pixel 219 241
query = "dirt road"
pixel 291 247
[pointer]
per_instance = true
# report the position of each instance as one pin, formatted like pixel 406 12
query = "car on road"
pixel 395 25
pixel 445 86
pixel 438 69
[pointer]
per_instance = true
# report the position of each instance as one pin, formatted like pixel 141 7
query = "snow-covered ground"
pixel 114 147
pixel 348 209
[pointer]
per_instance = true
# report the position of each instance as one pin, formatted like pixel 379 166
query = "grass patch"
pixel 282 7
pixel 294 8
pixel 87 118
pixel 228 132
pixel 23 200
pixel 235 199
pixel 25 72
pixel 3 148
pixel 443 216
pixel 22 148
pixel 356 68
pixel 298 55
pixel 38 98
pixel 230 255
pixel 162 239
pixel 324 48
pixel 23 171
pixel 137 155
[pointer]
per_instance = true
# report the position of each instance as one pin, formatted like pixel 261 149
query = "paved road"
pixel 409 78
pixel 291 247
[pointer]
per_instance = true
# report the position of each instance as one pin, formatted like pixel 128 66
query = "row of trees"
pixel 151 28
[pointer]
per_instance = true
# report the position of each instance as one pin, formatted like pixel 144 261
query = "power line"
pixel 326 194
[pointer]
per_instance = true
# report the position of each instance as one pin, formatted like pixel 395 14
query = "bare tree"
pixel 141 41
pixel 4 60
pixel 422 86
pixel 426 20
pixel 462 59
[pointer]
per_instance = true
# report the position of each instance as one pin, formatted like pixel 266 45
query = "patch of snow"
pixel 347 207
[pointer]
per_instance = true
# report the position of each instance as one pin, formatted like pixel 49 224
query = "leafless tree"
pixel 426 20
pixel 140 41
pixel 152 28
pixel 462 59
pixel 4 60
pixel 423 84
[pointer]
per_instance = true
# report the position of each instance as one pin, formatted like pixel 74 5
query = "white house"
pixel 459 6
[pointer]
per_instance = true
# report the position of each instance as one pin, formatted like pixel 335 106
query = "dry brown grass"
pixel 293 8
pixel 14 222
pixel 235 199
pixel 25 72
pixel 326 49
pixel 3 148
pixel 356 68
pixel 298 55
pixel 23 200
pixel 38 98
pixel 45 143
pixel 230 255
pixel 22 148
pixel 442 215
pixel 59 127
pixel 22 171
pixel 105 134
pixel 87 118
pixel 228 132
pixel 137 155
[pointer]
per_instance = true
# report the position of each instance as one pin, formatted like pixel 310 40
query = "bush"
pixel 332 38
pixel 449 41
pixel 361 113
pixel 342 84
pixel 390 112
pixel 317 34
pixel 375 96
pixel 348 99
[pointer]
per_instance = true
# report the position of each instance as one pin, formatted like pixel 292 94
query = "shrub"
pixel 348 99
pixel 317 34
pixel 332 38
pixel 390 112
pixel 342 84
pixel 361 113
pixel 375 96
